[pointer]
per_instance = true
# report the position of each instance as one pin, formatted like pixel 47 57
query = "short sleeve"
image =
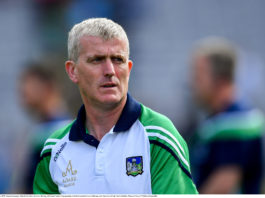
pixel 167 174
pixel 43 183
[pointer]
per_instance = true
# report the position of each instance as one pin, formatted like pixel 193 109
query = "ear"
pixel 71 70
pixel 130 64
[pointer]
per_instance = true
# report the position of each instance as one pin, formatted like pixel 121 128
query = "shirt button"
pixel 101 150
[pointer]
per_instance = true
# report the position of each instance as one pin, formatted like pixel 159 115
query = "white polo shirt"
pixel 123 162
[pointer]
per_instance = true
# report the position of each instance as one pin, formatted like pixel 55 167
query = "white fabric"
pixel 82 168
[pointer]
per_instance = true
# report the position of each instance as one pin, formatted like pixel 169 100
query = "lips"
pixel 109 85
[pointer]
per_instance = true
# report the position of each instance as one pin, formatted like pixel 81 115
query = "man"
pixel 40 96
pixel 112 130
pixel 227 156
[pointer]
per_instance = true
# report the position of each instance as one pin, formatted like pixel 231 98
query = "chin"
pixel 112 99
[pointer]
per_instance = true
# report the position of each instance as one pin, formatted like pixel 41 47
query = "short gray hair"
pixel 222 55
pixel 100 27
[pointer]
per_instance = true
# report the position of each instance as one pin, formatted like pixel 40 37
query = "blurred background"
pixel 162 35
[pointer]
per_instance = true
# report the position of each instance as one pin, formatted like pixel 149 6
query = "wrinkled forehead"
pixel 96 45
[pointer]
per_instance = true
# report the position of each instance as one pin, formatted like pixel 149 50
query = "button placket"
pixel 100 157
pixel 101 154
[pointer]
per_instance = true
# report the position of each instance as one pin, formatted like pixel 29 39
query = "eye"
pixel 117 60
pixel 96 59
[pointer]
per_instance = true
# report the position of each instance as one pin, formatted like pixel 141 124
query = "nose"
pixel 109 69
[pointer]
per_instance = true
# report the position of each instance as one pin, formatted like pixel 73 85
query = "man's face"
pixel 102 71
pixel 203 83
pixel 33 92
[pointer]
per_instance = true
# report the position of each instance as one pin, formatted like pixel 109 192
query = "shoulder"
pixel 162 134
pixel 156 122
pixel 235 125
pixel 150 117
pixel 54 138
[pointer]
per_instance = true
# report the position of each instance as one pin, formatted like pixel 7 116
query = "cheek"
pixel 204 85
pixel 197 81
pixel 123 74
pixel 201 86
pixel 86 77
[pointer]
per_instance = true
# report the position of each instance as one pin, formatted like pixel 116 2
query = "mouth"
pixel 109 85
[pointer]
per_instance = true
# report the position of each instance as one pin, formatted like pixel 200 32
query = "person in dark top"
pixel 42 99
pixel 227 153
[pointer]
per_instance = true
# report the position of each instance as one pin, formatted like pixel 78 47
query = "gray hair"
pixel 100 27
pixel 222 55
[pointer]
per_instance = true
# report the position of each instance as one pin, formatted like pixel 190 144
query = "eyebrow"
pixel 90 58
pixel 118 56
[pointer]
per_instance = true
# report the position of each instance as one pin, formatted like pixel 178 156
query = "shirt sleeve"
pixel 43 183
pixel 168 175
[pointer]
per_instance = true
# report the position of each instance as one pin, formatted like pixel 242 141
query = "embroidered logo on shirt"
pixel 69 175
pixel 134 165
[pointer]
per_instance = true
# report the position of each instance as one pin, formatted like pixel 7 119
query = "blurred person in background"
pixel 227 153
pixel 116 145
pixel 41 97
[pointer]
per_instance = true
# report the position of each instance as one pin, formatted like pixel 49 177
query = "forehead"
pixel 201 64
pixel 93 45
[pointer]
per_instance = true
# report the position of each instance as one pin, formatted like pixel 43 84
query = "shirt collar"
pixel 236 106
pixel 129 115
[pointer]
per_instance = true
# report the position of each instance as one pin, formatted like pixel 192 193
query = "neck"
pixel 99 121
pixel 223 98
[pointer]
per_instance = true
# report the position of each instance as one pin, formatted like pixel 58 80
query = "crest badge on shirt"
pixel 134 166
